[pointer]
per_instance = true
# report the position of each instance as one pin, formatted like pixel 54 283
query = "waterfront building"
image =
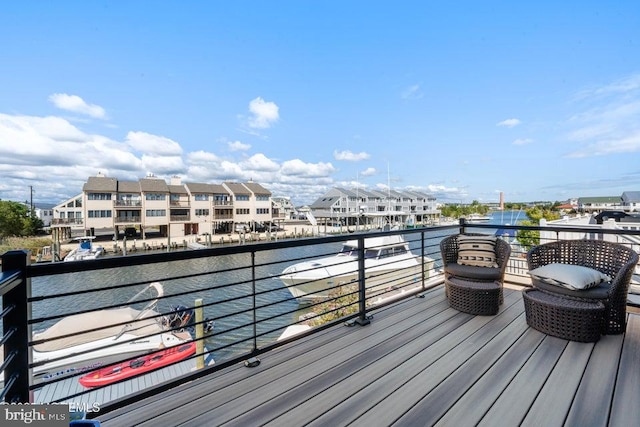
pixel 283 208
pixel 631 201
pixel 173 209
pixel 597 204
pixel 340 206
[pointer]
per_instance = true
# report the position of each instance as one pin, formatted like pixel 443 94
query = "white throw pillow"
pixel 576 277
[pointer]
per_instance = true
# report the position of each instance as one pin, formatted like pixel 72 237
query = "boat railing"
pixel 238 287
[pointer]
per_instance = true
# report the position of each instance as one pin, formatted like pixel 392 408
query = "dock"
pixel 418 362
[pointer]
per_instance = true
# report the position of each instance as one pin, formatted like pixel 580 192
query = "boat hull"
pixel 378 279
pixel 90 356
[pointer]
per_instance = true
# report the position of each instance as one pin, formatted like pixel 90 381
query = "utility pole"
pixel 31 191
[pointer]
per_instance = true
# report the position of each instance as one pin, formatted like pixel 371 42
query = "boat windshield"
pixel 348 250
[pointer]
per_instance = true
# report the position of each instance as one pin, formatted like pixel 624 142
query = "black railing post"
pixel 253 361
pixel 362 297
pixel 253 296
pixel 422 259
pixel 16 331
pixel 462 225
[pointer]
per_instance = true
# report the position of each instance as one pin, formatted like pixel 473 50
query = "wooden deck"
pixel 419 362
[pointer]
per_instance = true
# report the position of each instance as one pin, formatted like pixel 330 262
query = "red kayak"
pixel 112 373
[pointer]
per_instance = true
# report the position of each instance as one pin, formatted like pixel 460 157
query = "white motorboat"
pixel 86 250
pixel 476 217
pixel 389 264
pixel 89 341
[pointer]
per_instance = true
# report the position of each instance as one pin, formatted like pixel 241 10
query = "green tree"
pixel 530 238
pixel 15 220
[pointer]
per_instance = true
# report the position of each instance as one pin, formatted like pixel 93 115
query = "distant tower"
pixel 501 201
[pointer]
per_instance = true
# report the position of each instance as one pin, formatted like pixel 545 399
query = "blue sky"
pixel 461 100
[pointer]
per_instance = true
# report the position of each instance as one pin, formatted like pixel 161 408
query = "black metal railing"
pixel 241 290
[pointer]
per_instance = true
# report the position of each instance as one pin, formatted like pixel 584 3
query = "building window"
pixel 242 211
pixel 242 197
pixel 155 196
pixel 262 211
pixel 99 196
pixel 156 212
pixel 202 212
pixel 99 214
pixel 201 197
pixel 262 198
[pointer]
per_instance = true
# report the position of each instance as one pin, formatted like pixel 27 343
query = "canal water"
pixel 223 283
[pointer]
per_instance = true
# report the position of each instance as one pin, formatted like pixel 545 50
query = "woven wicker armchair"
pixel 449 251
pixel 471 289
pixel 613 259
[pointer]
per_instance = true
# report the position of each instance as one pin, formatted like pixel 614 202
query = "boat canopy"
pixel 78 323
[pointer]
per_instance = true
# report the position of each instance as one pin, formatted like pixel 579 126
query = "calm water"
pixel 205 279
pixel 200 279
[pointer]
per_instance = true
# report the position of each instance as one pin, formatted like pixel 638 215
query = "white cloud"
pixel 412 92
pixel 163 165
pixel 368 172
pixel 259 162
pixel 349 156
pixel 146 142
pixel 621 86
pixel 238 146
pixel 297 167
pixel 608 122
pixel 630 143
pixel 522 141
pixel 264 113
pixel 76 104
pixel 509 123
pixel 202 157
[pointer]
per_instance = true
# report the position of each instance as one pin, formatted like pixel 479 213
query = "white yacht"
pixel 83 348
pixel 476 217
pixel 389 263
pixel 86 250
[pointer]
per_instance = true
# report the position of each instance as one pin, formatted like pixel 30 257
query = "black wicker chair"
pixel 613 259
pixel 475 290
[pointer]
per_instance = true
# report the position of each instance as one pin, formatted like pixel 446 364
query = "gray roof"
pixel 100 184
pixel 604 199
pixel 257 189
pixel 237 188
pixel 128 187
pixel 348 193
pixel 324 202
pixel 153 185
pixel 368 194
pixel 200 188
pixel 219 189
pixel 631 196
pixel 177 189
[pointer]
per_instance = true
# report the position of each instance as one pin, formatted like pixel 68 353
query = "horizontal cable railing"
pixel 218 306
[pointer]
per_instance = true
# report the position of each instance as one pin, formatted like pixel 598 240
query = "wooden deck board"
pixel 309 367
pixel 225 389
pixel 625 409
pixel 514 402
pixel 597 383
pixel 477 401
pixel 418 363
pixel 553 404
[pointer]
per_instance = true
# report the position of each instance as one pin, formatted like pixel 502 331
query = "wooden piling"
pixel 199 334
